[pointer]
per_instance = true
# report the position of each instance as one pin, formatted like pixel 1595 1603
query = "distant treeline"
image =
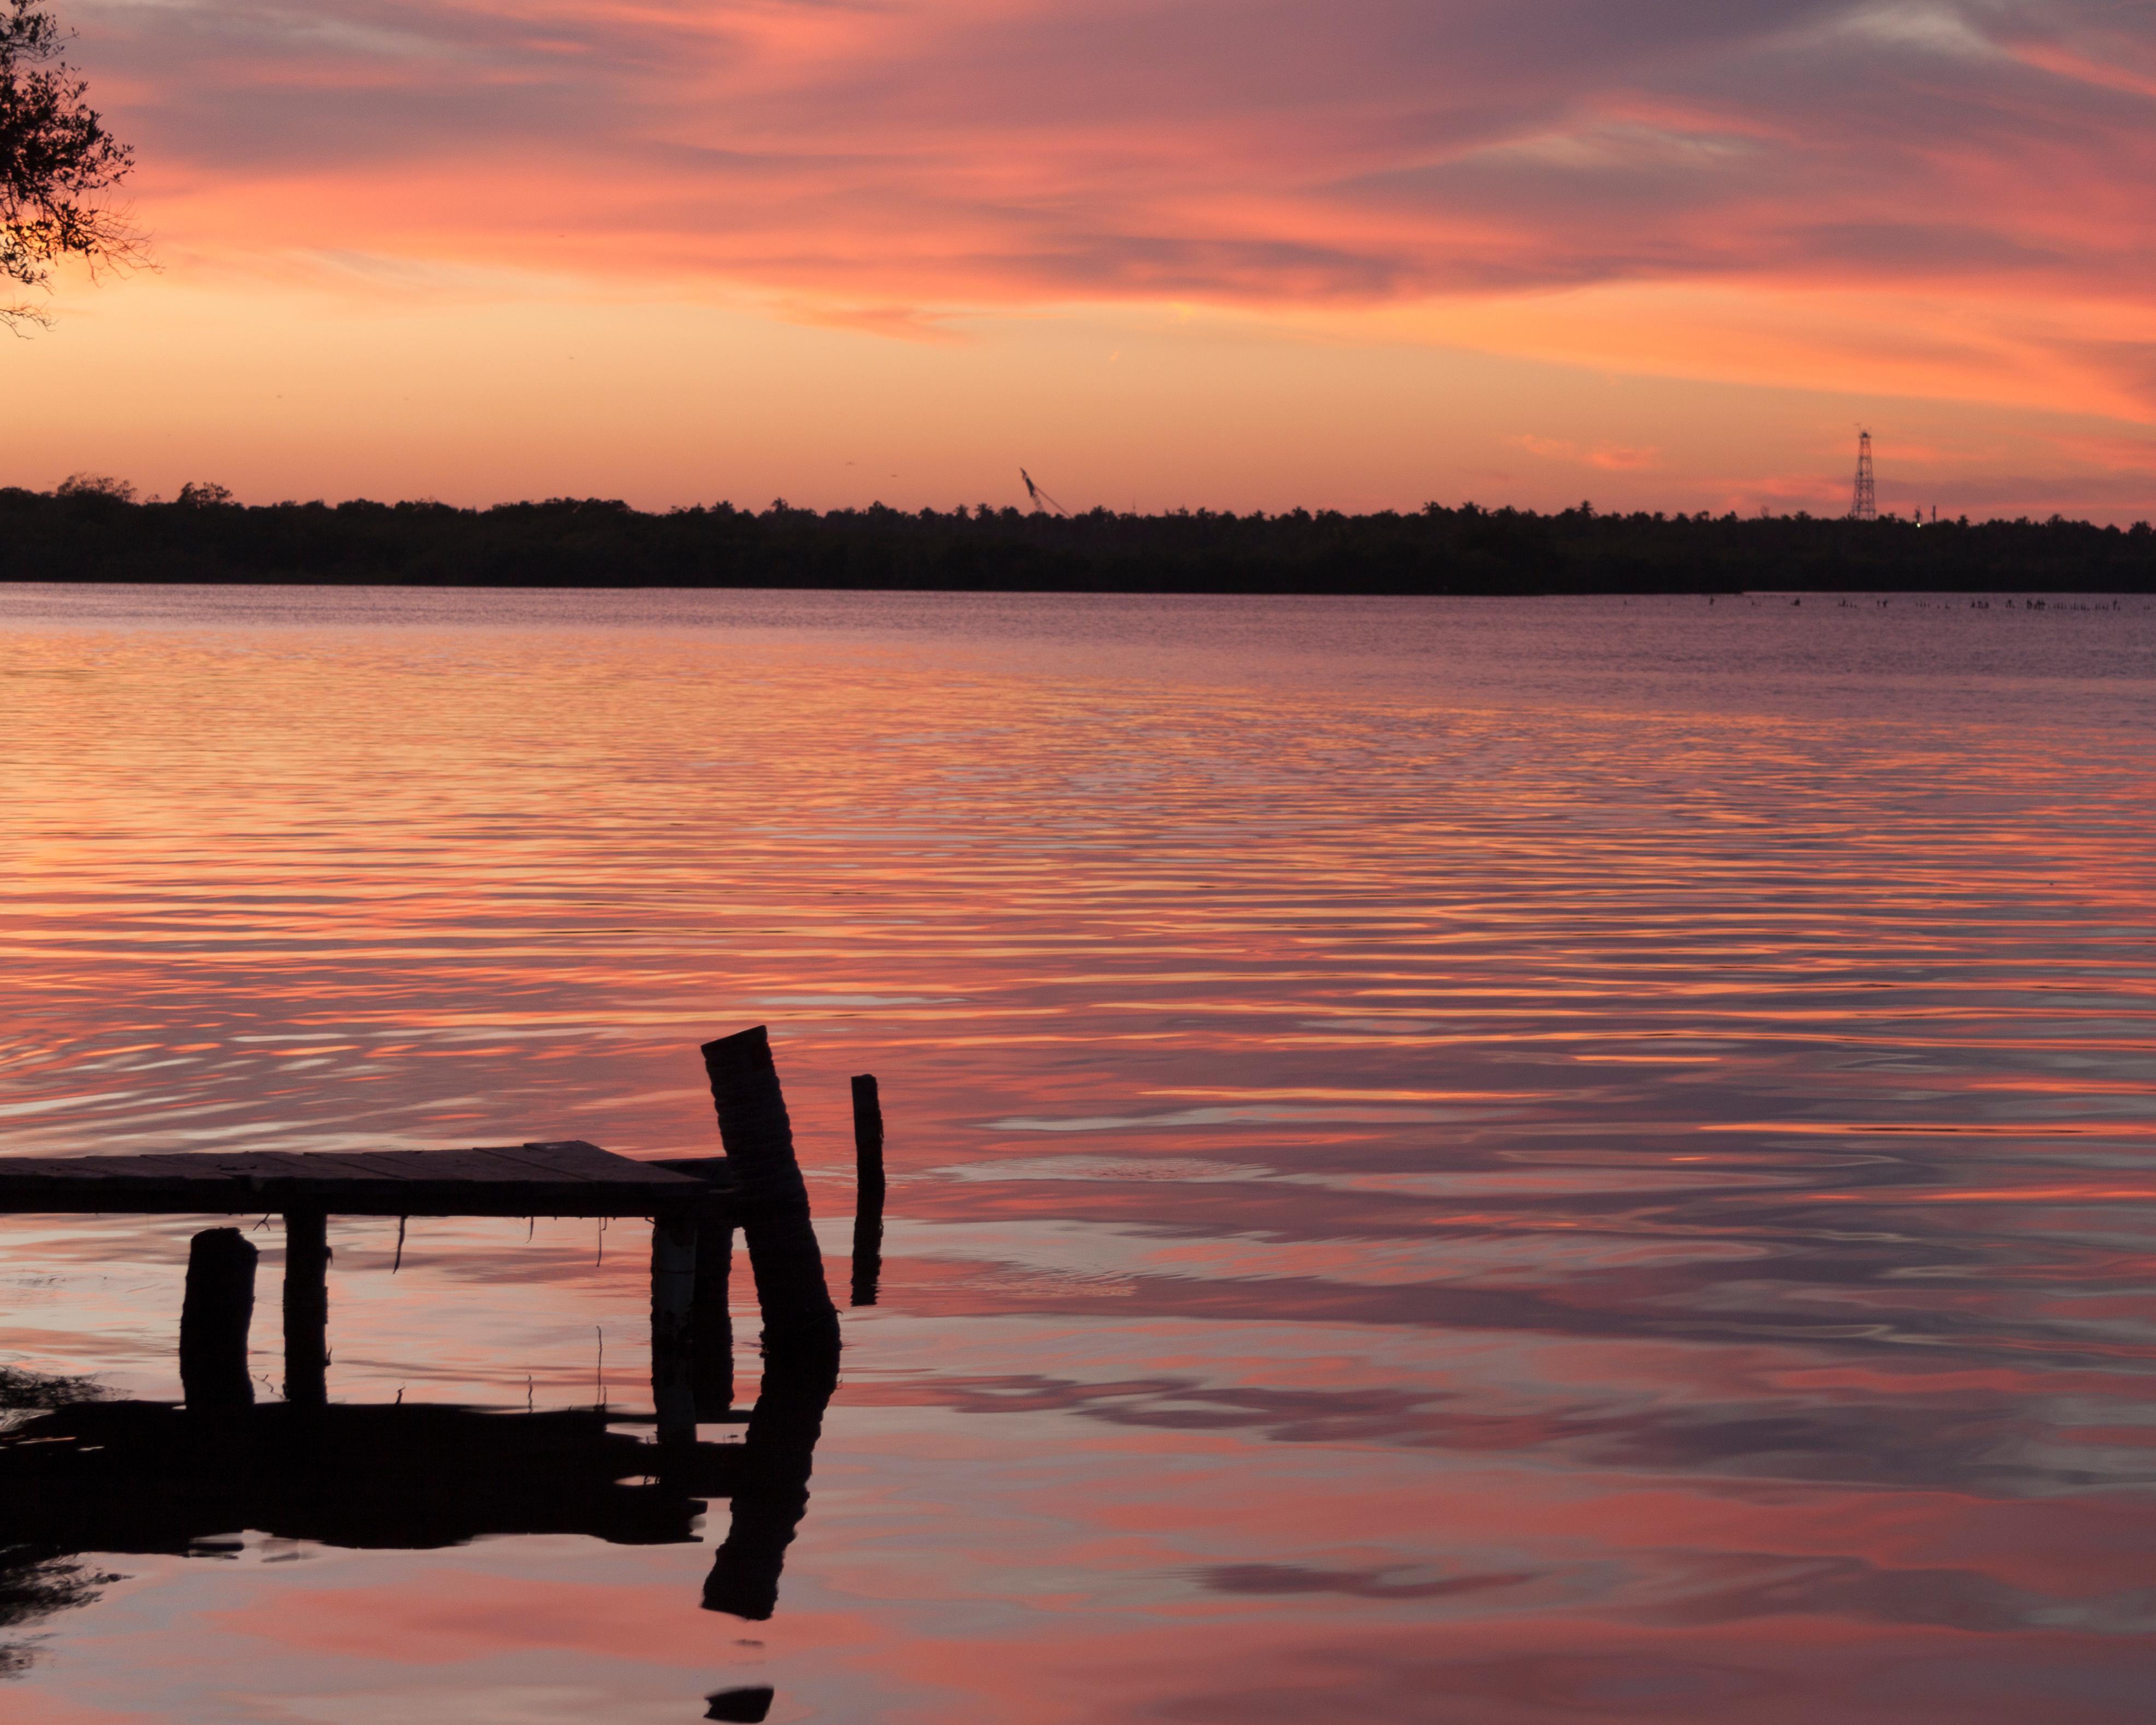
pixel 96 533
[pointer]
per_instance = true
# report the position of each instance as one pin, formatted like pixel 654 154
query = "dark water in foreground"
pixel 1479 1163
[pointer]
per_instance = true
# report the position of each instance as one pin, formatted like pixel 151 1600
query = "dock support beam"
pixel 710 1322
pixel 868 1189
pixel 306 1307
pixel 782 1252
pixel 214 1315
pixel 673 1350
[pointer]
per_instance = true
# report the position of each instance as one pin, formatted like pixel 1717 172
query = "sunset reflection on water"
pixel 1464 1161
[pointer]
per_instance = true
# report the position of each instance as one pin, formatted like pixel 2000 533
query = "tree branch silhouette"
pixel 56 160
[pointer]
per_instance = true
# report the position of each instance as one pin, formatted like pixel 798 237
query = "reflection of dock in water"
pixel 140 1477
pixel 134 1477
pixel 147 1477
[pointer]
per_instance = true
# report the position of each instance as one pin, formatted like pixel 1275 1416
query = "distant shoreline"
pixel 1434 552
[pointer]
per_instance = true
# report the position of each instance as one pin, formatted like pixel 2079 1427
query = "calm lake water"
pixel 1466 1162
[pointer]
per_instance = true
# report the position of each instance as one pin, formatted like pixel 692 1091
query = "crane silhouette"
pixel 1043 503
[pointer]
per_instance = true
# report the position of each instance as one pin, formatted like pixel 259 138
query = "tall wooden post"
pixel 782 1252
pixel 673 1294
pixel 214 1315
pixel 306 1307
pixel 868 1189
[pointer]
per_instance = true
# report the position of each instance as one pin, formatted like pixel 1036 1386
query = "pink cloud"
pixel 2117 454
pixel 959 149
pixel 1611 458
pixel 1943 202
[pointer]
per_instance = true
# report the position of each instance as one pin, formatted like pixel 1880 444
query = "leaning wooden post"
pixel 868 1189
pixel 215 1316
pixel 306 1307
pixel 783 1253
pixel 673 1291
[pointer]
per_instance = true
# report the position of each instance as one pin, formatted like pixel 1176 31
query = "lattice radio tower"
pixel 1864 502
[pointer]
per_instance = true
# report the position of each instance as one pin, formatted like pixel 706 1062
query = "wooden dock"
pixel 693 1204
pixel 113 1472
pixel 561 1178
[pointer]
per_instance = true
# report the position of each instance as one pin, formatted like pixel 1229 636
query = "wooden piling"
pixel 673 1296
pixel 306 1306
pixel 782 1252
pixel 868 1189
pixel 215 1313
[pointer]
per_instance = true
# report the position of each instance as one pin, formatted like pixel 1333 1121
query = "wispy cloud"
pixel 1610 457
pixel 1362 147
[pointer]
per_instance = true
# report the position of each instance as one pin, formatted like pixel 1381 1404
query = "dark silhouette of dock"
pixel 567 1178
pixel 81 1474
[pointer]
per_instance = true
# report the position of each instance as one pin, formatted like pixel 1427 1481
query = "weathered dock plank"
pixel 563 1179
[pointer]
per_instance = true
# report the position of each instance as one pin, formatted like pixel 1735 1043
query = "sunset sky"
pixel 1361 253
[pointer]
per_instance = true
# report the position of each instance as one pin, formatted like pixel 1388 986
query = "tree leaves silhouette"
pixel 56 160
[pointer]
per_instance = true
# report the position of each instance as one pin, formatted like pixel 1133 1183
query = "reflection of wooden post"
pixel 742 1707
pixel 783 1253
pixel 868 1190
pixel 214 1315
pixel 306 1307
pixel 771 1482
pixel 710 1323
pixel 673 1292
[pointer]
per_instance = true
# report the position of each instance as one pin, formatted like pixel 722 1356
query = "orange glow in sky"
pixel 1255 254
